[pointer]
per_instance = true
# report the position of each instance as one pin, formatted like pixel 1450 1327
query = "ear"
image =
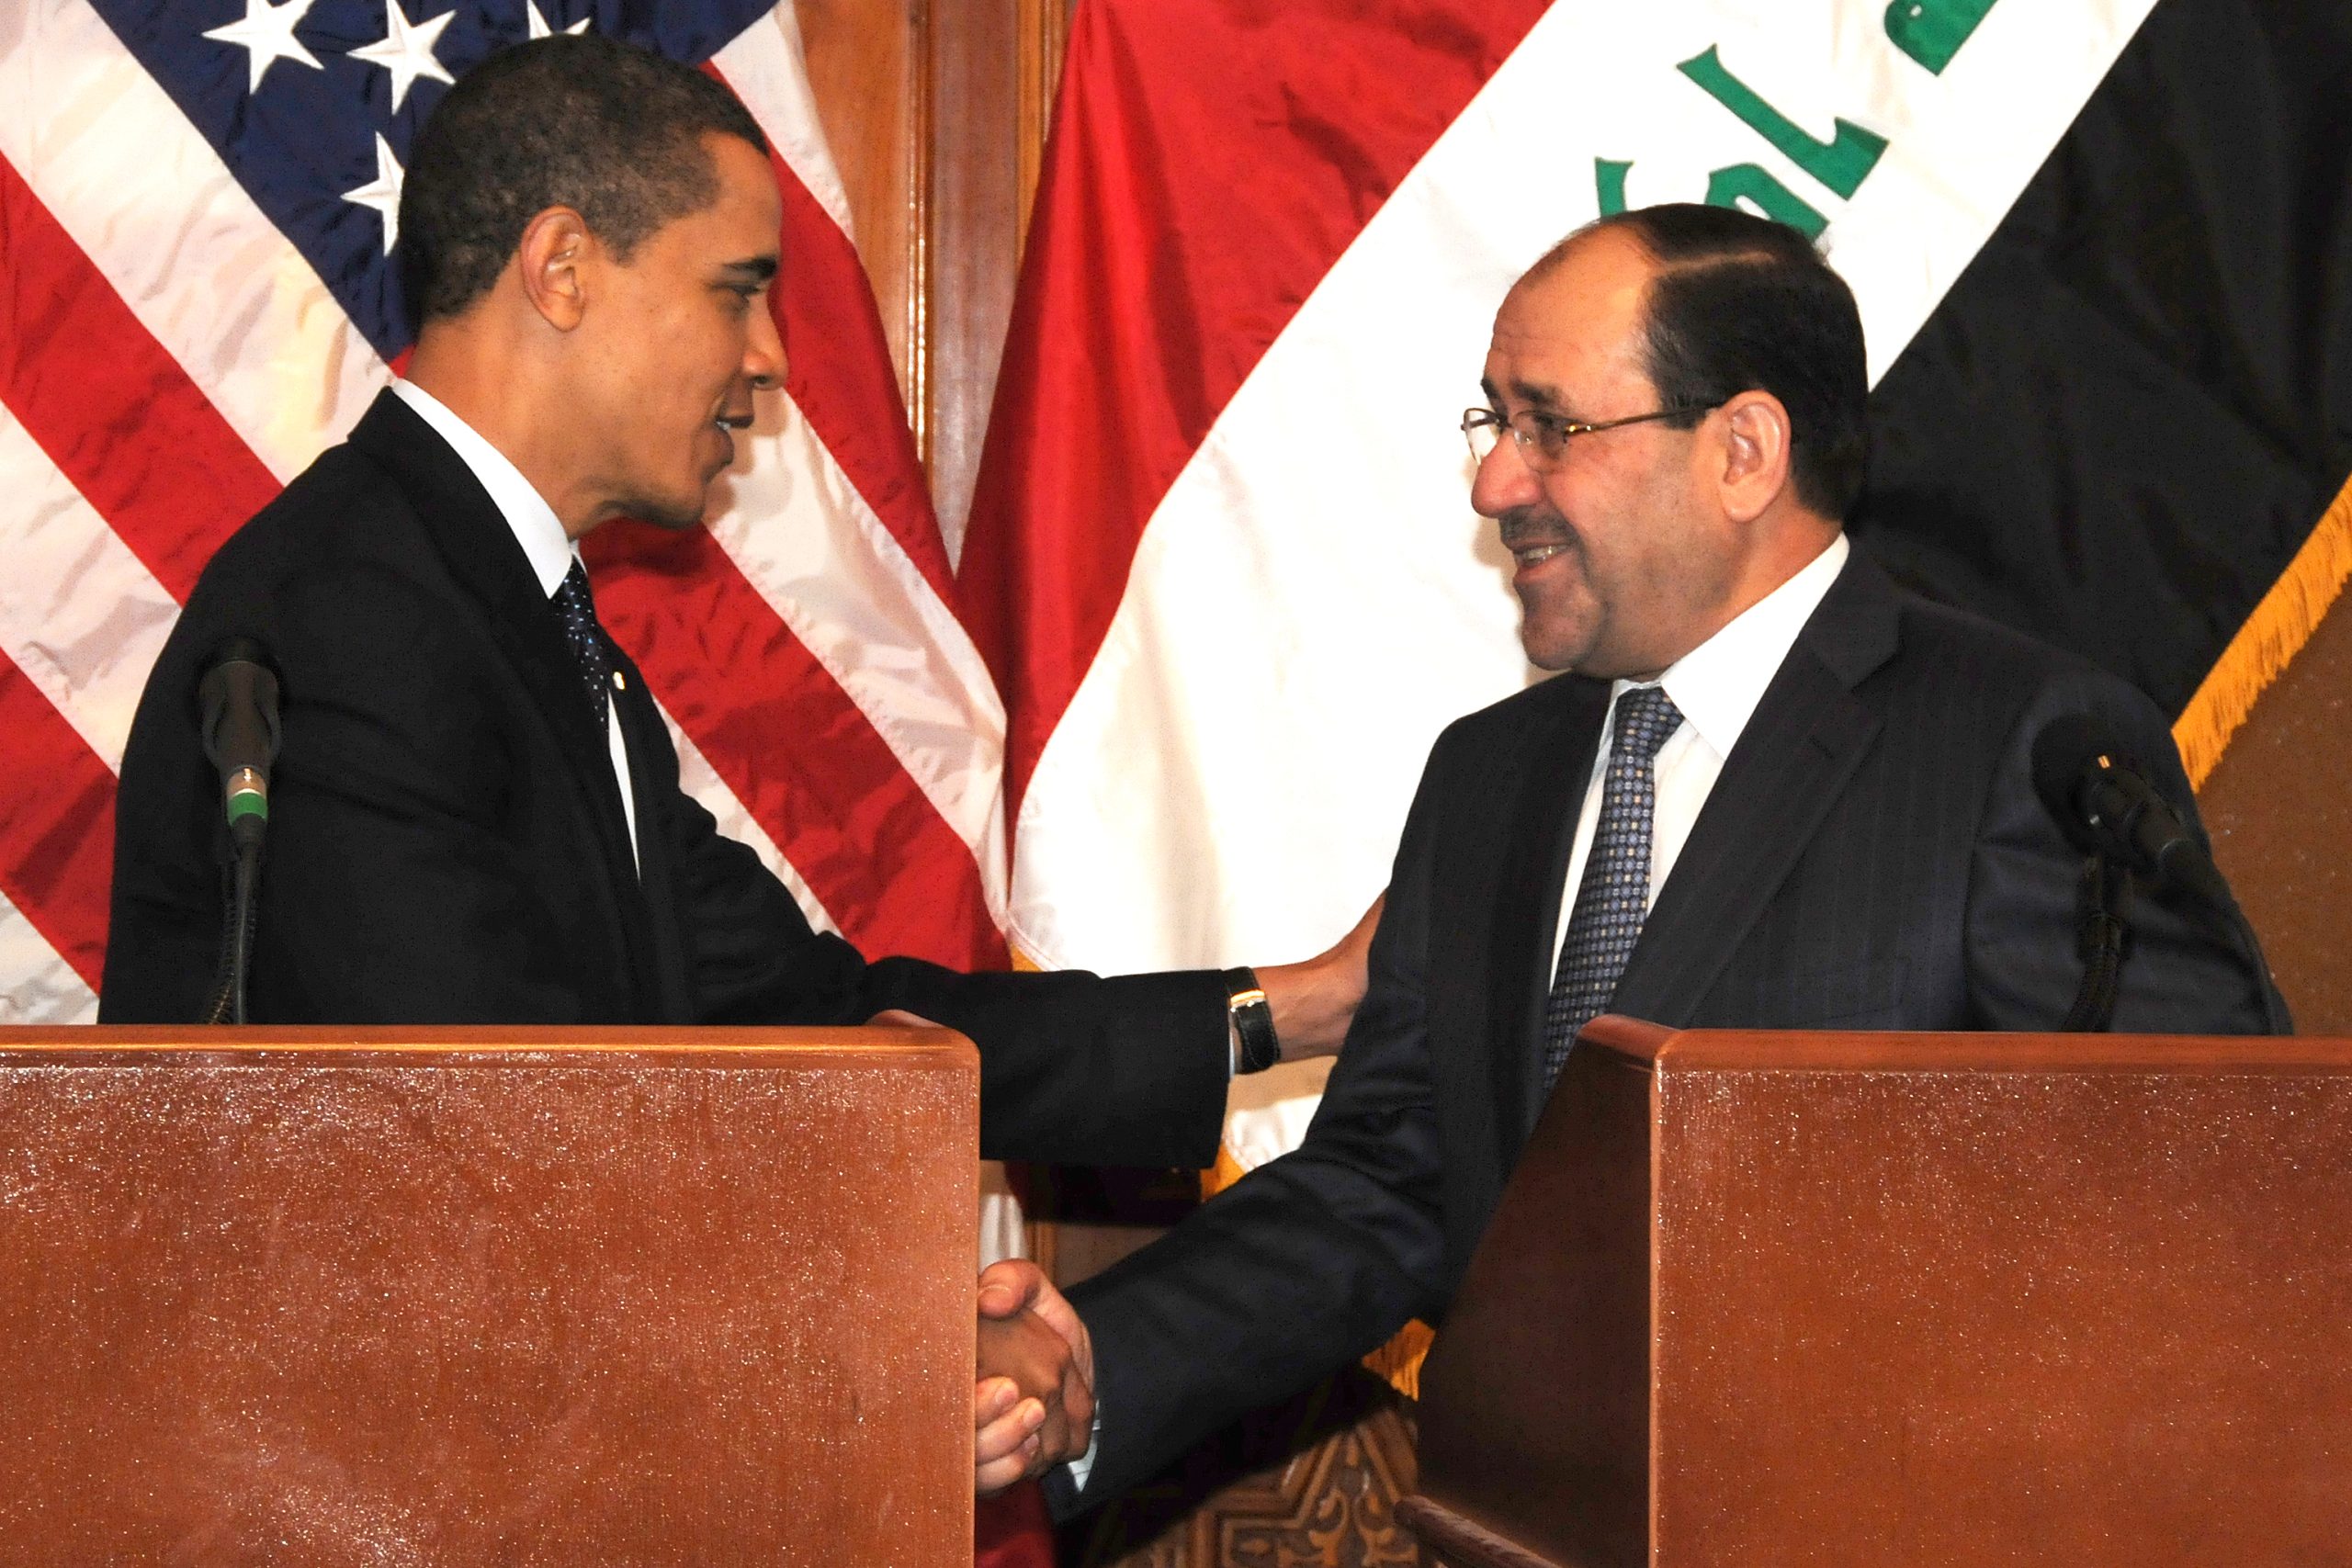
pixel 1754 455
pixel 553 259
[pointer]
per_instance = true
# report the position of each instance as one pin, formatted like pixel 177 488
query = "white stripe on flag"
pixel 1978 135
pixel 41 987
pixel 814 550
pixel 79 613
pixel 821 559
pixel 153 205
pixel 766 68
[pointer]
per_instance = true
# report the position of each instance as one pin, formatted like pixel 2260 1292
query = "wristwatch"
pixel 1252 1020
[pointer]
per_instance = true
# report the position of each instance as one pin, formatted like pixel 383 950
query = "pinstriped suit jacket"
pixel 1873 855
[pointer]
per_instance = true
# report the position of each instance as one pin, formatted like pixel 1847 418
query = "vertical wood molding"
pixel 973 236
pixel 1044 39
pixel 936 112
pixel 915 307
pixel 869 73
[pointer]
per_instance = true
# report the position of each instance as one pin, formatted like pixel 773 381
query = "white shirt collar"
pixel 533 520
pixel 1718 684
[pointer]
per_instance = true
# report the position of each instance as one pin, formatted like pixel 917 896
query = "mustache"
pixel 1522 527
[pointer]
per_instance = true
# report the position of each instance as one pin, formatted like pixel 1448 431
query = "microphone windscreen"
pixel 2064 754
pixel 237 699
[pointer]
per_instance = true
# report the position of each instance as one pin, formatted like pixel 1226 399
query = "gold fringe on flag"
pixel 1399 1361
pixel 2268 641
pixel 1220 1176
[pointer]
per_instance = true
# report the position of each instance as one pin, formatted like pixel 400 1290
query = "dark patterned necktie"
pixel 1614 894
pixel 587 642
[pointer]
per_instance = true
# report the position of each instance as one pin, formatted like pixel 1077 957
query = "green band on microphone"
pixel 248 803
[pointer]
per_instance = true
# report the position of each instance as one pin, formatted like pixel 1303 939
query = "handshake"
pixel 1033 1404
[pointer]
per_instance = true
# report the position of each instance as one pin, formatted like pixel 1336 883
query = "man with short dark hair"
pixel 476 816
pixel 1768 790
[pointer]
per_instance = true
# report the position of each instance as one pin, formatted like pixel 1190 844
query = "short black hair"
pixel 576 120
pixel 1742 303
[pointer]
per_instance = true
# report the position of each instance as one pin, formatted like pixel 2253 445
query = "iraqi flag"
pixel 1223 560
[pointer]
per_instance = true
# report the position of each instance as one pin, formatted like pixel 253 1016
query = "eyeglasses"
pixel 1543 438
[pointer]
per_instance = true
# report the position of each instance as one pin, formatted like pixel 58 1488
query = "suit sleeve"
pixel 1306 1263
pixel 2181 974
pixel 1075 1068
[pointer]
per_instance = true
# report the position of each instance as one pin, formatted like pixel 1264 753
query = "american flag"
pixel 199 292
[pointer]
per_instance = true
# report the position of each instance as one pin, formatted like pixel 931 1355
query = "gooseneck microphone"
pixel 2108 809
pixel 237 699
pixel 237 714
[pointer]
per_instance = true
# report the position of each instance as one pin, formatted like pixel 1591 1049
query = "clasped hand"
pixel 1033 1404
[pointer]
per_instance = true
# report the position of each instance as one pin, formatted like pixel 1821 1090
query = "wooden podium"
pixel 524 1297
pixel 1926 1299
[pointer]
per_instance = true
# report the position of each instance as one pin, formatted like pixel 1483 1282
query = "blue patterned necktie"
pixel 587 642
pixel 1614 894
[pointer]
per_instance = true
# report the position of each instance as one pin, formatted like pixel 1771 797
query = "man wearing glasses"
pixel 1768 790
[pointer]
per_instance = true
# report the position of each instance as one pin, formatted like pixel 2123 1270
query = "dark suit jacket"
pixel 446 841
pixel 1873 855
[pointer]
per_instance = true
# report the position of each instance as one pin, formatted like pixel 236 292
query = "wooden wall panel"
pixel 937 118
pixel 867 68
pixel 974 240
pixel 1042 38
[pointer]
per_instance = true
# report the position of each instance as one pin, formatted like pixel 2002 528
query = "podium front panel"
pixel 406 1297
pixel 2054 1309
pixel 1933 1300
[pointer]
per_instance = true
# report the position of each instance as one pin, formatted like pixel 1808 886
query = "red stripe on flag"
pixel 838 372
pixel 56 827
pixel 795 749
pixel 1209 163
pixel 112 409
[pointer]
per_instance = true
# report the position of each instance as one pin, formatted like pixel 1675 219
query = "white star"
pixel 407 52
pixel 539 23
pixel 266 35
pixel 383 193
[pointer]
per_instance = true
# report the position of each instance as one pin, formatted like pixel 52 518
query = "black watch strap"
pixel 1253 1021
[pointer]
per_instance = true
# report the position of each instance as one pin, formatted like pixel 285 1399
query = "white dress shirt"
pixel 1716 686
pixel 536 528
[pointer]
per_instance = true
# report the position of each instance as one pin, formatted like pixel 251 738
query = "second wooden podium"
pixel 1926 1300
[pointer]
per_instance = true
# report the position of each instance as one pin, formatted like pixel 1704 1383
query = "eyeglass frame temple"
pixel 1482 418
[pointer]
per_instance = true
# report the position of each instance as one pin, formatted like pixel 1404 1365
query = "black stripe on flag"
pixel 2126 416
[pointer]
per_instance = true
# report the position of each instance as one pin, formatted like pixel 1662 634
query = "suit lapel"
pixel 1799 748
pixel 482 556
pixel 1541 824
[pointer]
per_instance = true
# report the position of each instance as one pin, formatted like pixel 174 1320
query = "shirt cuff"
pixel 1082 1466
